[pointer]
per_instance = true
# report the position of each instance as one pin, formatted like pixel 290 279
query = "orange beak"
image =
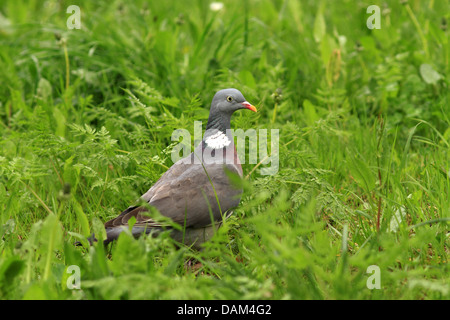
pixel 249 106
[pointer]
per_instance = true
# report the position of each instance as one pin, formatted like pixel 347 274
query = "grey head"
pixel 223 105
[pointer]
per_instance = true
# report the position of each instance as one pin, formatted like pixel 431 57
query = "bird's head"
pixel 228 101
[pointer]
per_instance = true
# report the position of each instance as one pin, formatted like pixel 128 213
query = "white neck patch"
pixel 217 140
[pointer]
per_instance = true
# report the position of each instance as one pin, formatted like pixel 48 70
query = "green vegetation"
pixel 86 118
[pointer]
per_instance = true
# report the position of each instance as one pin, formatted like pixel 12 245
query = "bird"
pixel 195 192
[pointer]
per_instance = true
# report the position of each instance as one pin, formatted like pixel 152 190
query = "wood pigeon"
pixel 196 191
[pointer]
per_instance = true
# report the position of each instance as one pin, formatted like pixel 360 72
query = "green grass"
pixel 86 118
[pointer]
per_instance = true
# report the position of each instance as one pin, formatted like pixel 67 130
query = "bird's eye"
pixel 229 99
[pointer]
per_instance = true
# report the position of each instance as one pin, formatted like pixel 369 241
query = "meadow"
pixel 360 205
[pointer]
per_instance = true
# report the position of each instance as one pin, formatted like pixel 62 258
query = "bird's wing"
pixel 187 193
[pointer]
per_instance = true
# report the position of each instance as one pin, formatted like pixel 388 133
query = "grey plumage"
pixel 196 195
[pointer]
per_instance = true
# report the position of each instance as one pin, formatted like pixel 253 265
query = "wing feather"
pixel 186 194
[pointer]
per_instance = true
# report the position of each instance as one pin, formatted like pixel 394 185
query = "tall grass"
pixel 86 118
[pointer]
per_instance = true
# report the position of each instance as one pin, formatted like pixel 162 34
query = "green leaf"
pixel 99 229
pixel 246 77
pixel 9 269
pixel 429 75
pixel 98 261
pixel 60 122
pixel 82 219
pixel 51 238
pixel 362 174
pixel 35 292
pixel 131 223
pixel 327 46
pixel 319 26
pixel 44 89
pixel 310 112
